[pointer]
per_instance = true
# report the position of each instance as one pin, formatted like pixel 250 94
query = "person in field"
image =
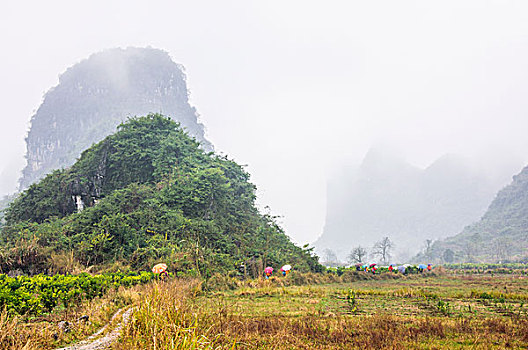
pixel 285 270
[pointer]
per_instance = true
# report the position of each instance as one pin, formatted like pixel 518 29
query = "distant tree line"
pixel 381 250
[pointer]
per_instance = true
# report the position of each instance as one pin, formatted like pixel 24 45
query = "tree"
pixel 428 245
pixel 476 242
pixel 502 248
pixel 330 257
pixel 448 255
pixel 468 250
pixel 382 249
pixel 357 255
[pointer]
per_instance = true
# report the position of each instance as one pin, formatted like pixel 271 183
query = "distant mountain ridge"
pixel 500 235
pixel 386 196
pixel 97 94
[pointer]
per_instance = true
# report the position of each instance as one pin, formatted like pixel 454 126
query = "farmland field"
pixel 444 310
pixel 424 312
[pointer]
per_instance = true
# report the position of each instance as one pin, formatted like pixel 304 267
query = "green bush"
pixel 41 294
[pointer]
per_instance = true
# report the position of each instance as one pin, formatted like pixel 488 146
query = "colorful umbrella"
pixel 286 268
pixel 159 268
pixel 268 270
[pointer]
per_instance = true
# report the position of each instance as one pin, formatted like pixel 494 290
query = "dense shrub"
pixel 40 294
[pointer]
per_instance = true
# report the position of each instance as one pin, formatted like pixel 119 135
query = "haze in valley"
pixel 299 91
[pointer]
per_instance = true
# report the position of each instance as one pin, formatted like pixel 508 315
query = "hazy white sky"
pixel 294 88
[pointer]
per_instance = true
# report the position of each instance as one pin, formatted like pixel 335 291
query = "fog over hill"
pixel 96 95
pixel 386 196
pixel 500 235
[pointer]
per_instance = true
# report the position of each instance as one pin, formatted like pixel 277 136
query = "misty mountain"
pixel 96 95
pixel 500 235
pixel 386 196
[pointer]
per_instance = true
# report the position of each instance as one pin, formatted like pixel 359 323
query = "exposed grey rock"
pixel 96 95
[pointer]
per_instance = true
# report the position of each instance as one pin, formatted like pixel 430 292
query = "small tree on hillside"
pixel 476 242
pixel 357 255
pixel 383 249
pixel 502 248
pixel 468 251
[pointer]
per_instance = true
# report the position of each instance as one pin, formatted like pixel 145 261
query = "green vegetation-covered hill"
pixel 145 194
pixel 500 235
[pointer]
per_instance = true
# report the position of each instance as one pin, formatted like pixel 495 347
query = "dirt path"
pixel 95 343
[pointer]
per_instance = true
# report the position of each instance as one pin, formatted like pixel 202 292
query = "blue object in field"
pixel 422 266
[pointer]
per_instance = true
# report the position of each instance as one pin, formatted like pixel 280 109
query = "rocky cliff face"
pixel 385 196
pixel 96 95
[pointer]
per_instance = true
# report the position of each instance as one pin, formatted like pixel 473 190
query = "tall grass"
pixel 169 316
pixel 225 282
pixel 166 318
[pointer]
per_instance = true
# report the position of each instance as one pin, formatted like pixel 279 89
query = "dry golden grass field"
pixel 435 311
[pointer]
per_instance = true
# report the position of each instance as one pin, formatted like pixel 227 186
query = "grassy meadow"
pixel 438 310
pixel 422 311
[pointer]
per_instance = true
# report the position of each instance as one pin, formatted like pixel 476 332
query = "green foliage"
pixel 43 200
pixel 151 194
pixel 489 268
pixel 41 294
pixel 443 307
pixel 351 301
